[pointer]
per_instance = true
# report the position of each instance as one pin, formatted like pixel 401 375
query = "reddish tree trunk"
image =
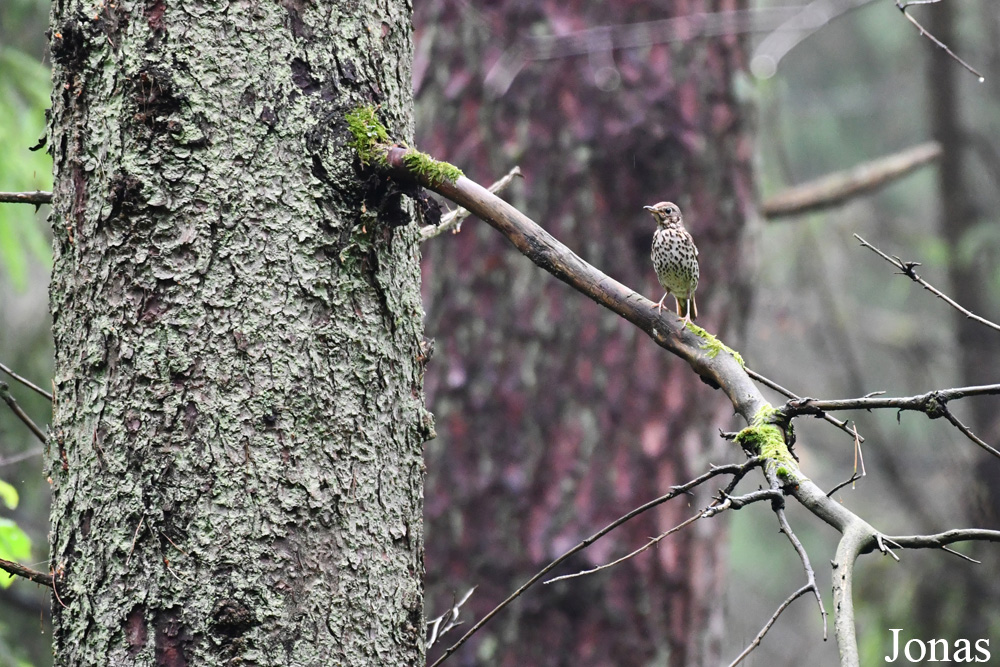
pixel 553 416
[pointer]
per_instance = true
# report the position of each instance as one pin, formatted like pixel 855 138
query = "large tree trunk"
pixel 236 450
pixel 970 269
pixel 554 417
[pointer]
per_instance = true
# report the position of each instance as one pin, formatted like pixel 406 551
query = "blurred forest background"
pixel 829 319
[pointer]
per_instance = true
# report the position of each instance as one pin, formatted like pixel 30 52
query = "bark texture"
pixel 555 417
pixel 236 451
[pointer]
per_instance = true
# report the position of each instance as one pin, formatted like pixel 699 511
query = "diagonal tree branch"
pixel 738 471
pixel 838 187
pixel 903 6
pixel 19 413
pixel 699 349
pixel 907 269
pixel 16 569
pixel 27 383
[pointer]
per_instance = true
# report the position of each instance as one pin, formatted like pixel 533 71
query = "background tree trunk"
pixel 971 263
pixel 235 458
pixel 554 417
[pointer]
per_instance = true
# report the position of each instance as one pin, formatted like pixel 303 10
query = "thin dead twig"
pixel 27 383
pixel 717 507
pixel 908 270
pixel 452 221
pixel 19 413
pixel 738 471
pixel 19 570
pixel 903 6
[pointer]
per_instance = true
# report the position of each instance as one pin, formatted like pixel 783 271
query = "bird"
pixel 675 258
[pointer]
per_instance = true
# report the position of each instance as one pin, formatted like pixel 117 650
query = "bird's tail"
pixel 685 306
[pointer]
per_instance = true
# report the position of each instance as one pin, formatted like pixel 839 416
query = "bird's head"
pixel 665 213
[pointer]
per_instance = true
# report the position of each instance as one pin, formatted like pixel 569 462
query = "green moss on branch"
pixel 713 345
pixel 764 438
pixel 433 171
pixel 371 141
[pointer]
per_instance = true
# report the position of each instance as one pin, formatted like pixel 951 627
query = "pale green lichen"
pixel 433 171
pixel 370 135
pixel 712 345
pixel 764 438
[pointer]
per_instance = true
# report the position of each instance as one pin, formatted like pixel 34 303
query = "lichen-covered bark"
pixel 236 451
pixel 554 416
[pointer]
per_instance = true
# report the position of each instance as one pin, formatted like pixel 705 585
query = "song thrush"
pixel 675 258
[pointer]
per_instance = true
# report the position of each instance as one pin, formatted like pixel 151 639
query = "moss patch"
pixel 764 438
pixel 371 139
pixel 433 171
pixel 713 345
pixel 370 135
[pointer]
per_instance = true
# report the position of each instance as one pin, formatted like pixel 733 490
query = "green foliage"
pixel 15 545
pixel 24 96
pixel 8 495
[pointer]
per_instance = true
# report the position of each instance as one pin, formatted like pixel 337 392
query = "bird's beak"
pixel 648 208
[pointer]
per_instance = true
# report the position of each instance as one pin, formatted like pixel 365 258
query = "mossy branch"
pixel 768 431
pixel 372 142
pixel 765 437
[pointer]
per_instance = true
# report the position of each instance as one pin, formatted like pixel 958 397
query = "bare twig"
pixel 38 197
pixel 928 403
pixel 961 555
pixel 933 404
pixel 967 432
pixel 16 569
pixel 449 619
pixel 135 536
pixel 842 425
pixel 644 547
pixel 717 507
pixel 907 269
pixel 853 478
pixel 939 540
pixel 836 188
pixel 452 221
pixel 858 454
pixel 738 471
pixel 774 617
pixel 27 383
pixel 810 585
pixel 903 6
pixel 786 528
pixel 19 413
pixel 22 456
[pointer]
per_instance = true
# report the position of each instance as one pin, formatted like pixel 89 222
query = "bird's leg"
pixel 659 306
pixel 685 317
